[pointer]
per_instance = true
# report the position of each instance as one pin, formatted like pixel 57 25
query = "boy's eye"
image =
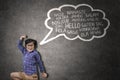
pixel 30 45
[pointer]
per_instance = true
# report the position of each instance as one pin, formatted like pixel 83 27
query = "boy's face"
pixel 30 47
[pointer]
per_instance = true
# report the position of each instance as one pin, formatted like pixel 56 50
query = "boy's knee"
pixel 12 74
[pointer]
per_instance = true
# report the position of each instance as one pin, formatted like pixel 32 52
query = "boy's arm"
pixel 20 43
pixel 41 66
pixel 40 63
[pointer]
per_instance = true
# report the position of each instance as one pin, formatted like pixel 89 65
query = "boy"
pixel 30 58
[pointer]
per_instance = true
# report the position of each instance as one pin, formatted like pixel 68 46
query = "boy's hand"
pixel 23 37
pixel 44 75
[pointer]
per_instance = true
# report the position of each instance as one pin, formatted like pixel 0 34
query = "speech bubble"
pixel 72 22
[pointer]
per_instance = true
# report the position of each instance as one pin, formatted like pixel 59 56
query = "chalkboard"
pixel 77 39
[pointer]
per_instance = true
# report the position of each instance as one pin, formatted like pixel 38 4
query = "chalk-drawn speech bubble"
pixel 72 22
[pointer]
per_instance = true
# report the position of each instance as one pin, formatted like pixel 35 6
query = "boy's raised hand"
pixel 23 37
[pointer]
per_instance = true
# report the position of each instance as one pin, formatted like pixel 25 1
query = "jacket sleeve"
pixel 40 63
pixel 20 46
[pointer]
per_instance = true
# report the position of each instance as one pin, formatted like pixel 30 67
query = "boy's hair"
pixel 31 40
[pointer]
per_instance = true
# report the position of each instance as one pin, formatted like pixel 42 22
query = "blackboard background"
pixel 98 59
